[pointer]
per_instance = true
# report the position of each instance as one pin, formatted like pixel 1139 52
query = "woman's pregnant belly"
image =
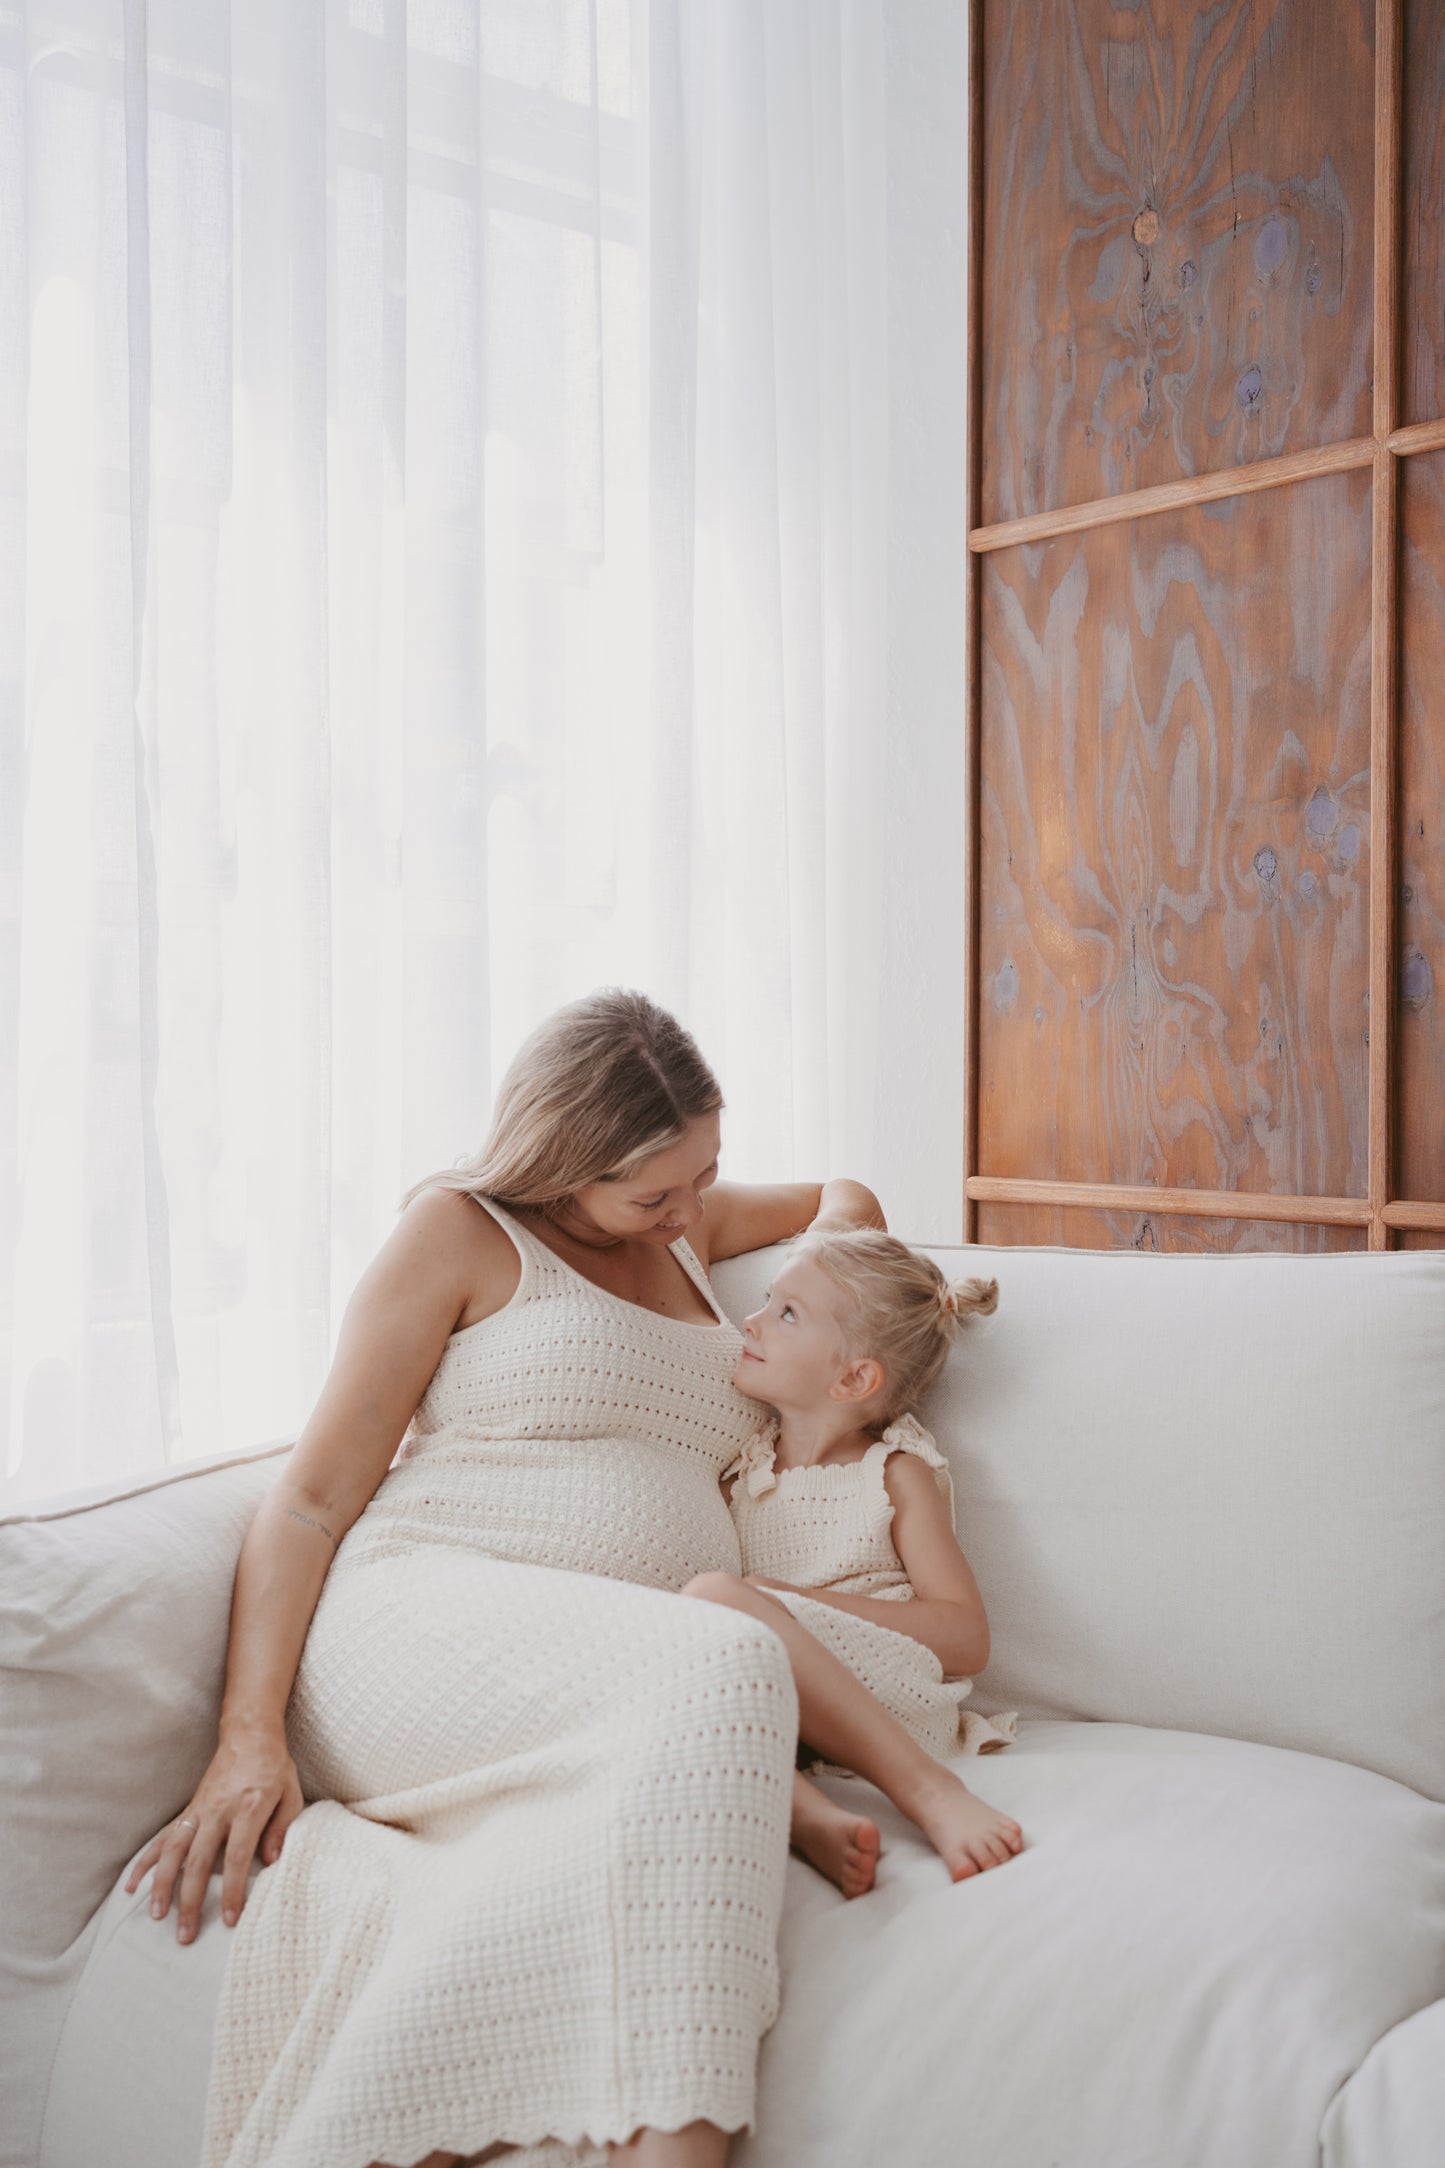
pixel 630 1510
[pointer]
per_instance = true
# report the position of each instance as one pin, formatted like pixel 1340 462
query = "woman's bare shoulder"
pixel 455 1234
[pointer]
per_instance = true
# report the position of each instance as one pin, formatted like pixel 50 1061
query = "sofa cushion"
pixel 1392 2112
pixel 112 1655
pixel 1205 1492
pixel 1200 1942
pixel 113 1620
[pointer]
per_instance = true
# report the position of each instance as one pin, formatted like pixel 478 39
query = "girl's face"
pixel 661 1198
pixel 793 1350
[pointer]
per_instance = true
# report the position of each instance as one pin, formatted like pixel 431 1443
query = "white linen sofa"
pixel 1205 1499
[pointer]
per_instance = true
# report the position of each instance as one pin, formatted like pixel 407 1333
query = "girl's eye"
pixel 653 1204
pixel 788 1311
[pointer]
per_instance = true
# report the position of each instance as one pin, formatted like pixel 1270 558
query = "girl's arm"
pixel 946 1612
pixel 739 1216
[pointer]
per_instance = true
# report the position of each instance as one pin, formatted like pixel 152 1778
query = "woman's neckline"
pixel 691 1324
pixel 694 1324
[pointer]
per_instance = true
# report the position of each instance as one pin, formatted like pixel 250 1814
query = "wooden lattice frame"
pixel 1381 1213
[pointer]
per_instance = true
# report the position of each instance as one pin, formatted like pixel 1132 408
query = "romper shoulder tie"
pixel 755 1464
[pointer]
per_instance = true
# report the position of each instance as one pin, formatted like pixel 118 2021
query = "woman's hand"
pixel 844 1204
pixel 739 1216
pixel 247 1799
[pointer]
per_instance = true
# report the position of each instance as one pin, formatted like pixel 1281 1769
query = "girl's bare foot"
pixel 966 1832
pixel 842 1845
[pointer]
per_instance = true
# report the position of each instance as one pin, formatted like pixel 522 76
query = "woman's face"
pixel 661 1198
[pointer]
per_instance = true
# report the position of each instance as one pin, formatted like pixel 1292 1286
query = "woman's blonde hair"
pixel 897 1308
pixel 600 1086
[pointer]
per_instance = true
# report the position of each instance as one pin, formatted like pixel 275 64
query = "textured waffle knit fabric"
pixel 537 1897
pixel 831 1527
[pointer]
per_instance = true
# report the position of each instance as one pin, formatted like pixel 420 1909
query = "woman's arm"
pixel 946 1611
pixel 739 1216
pixel 444 1256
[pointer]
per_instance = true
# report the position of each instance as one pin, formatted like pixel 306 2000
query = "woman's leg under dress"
pixel 539 1894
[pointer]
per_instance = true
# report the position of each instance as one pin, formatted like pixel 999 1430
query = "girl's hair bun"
pixel 969 1298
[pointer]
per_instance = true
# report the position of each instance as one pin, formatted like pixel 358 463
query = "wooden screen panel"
pixel 1174 848
pixel 1420 985
pixel 1177 241
pixel 1067 1227
pixel 1114 1106
pixel 1422 381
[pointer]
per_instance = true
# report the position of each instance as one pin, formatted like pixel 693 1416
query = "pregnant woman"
pixel 537 1896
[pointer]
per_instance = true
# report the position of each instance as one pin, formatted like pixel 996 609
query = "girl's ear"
pixel 860 1381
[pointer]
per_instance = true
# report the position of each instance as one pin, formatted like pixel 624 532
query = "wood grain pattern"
pixel 1417 1216
pixel 1170 496
pixel 1384 626
pixel 1387 188
pixel 1422 384
pixel 1059 1226
pixel 973 580
pixel 1418 437
pixel 1178 250
pixel 1419 1102
pixel 1194 1203
pixel 1174 856
pixel 1384 835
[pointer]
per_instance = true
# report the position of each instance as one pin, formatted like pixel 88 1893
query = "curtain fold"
pixel 481 517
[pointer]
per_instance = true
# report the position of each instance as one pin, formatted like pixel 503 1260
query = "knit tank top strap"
pixel 906 1435
pixel 536 1258
pixel 877 1505
pixel 692 1265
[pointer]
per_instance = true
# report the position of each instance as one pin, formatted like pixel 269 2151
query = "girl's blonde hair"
pixel 600 1086
pixel 896 1307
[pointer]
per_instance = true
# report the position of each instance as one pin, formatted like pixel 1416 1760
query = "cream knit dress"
pixel 831 1527
pixel 538 1896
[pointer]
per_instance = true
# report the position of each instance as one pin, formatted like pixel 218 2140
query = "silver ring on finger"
pixel 188 1825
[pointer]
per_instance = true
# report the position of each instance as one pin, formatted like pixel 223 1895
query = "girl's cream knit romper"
pixel 830 1527
pixel 538 1895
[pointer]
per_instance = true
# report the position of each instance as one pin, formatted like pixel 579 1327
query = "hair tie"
pixel 948 1302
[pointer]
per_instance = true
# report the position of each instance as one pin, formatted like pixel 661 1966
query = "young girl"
pixel 845 1518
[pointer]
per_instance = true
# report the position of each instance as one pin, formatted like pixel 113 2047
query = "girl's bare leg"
pixel 700 2145
pixel 841 1720
pixel 842 1845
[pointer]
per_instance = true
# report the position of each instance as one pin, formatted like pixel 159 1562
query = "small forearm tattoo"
pixel 307 1522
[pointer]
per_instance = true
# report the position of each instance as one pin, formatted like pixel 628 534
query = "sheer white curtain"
pixel 481 516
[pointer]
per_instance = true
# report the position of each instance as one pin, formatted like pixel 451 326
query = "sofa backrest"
pixel 1204 1492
